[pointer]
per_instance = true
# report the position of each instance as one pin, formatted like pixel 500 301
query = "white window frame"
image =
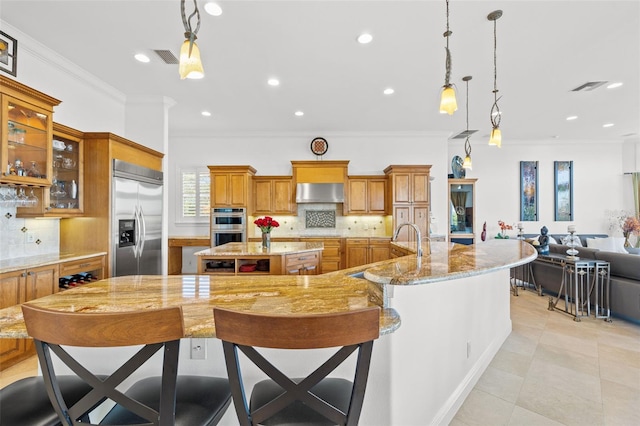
pixel 198 218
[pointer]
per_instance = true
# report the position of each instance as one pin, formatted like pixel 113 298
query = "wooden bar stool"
pixel 168 399
pixel 315 399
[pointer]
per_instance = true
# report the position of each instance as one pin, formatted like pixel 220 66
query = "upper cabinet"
pixel 365 195
pixel 65 196
pixel 231 186
pixel 273 195
pixel 27 128
pixel 462 203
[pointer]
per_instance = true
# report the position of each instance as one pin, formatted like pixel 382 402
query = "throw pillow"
pixel 612 244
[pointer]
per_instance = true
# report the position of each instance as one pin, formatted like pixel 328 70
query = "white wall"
pixel 272 154
pixel 598 181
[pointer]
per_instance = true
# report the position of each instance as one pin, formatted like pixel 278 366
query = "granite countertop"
pixel 255 249
pixel 197 294
pixel 449 261
pixel 28 262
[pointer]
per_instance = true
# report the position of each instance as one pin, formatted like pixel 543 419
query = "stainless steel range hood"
pixel 320 193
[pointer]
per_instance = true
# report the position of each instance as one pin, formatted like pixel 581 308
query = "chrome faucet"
pixel 418 237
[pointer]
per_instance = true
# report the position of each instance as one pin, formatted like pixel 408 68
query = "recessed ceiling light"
pixel 388 91
pixel 299 113
pixel 206 113
pixel 608 125
pixel 141 57
pixel 273 82
pixel 572 117
pixel 213 8
pixel 365 38
pixel 614 85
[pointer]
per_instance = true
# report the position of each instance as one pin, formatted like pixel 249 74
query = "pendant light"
pixel 190 64
pixel 496 134
pixel 448 103
pixel 467 164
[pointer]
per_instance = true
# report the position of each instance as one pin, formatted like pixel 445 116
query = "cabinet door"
pixel 262 196
pixel 378 250
pixel 282 196
pixel 220 189
pixel 238 190
pixel 357 251
pixel 401 188
pixel 420 188
pixel 376 190
pixel 12 292
pixel 421 219
pixel 41 282
pixel 357 196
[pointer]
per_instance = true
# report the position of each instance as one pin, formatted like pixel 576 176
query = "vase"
pixel 266 240
pixel 626 240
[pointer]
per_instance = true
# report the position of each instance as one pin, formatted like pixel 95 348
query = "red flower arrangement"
pixel 266 224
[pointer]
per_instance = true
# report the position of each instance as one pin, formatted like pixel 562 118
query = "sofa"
pixel 624 275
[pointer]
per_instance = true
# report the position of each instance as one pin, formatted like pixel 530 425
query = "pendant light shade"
pixel 496 115
pixel 190 64
pixel 467 164
pixel 448 103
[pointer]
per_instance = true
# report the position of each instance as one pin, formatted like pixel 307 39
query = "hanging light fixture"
pixel 496 134
pixel 467 164
pixel 190 63
pixel 448 103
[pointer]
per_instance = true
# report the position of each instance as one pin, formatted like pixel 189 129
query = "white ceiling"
pixel 545 49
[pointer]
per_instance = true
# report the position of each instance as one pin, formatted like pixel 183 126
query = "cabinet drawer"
pixel 84 265
pixel 357 241
pixel 331 252
pixel 396 252
pixel 301 258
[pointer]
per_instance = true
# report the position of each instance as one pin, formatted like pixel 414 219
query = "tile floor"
pixel 550 371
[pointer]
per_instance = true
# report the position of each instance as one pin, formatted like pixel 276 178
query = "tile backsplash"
pixel 27 237
pixel 340 226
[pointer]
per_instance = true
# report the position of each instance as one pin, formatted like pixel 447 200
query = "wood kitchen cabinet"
pixel 16 288
pixel 409 198
pixel 302 263
pixel 273 195
pixel 65 196
pixel 26 120
pixel 231 186
pixel 365 195
pixel 362 251
pixel 93 231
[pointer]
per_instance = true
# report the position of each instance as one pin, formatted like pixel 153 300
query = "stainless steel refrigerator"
pixel 137 220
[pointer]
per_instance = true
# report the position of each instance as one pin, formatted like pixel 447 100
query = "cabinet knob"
pixel 30 273
pixel 24 274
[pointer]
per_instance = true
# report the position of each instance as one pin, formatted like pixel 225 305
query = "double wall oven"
pixel 228 225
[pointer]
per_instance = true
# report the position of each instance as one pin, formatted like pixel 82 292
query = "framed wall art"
pixel 563 180
pixel 529 191
pixel 8 54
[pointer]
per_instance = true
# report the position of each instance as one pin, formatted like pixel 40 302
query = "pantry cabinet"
pixel 365 195
pixel 273 195
pixel 231 186
pixel 409 198
pixel 26 119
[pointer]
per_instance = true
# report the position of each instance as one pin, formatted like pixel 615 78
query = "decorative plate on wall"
pixel 319 146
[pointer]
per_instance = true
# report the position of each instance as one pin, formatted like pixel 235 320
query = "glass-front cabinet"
pixel 25 145
pixel 462 203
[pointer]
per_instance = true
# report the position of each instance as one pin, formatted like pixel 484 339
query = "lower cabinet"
pixel 302 263
pixel 361 251
pixel 395 251
pixel 331 254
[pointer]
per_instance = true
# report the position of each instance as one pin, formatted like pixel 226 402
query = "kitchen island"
pixel 290 258
pixel 452 323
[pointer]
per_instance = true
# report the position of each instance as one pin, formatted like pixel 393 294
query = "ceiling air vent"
pixel 589 85
pixel 167 56
pixel 463 134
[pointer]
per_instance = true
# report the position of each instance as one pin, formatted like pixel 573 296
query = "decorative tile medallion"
pixel 320 219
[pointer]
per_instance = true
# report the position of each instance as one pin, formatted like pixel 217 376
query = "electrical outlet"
pixel 198 348
pixel 30 237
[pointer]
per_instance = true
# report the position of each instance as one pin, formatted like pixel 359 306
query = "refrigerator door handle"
pixel 143 229
pixel 136 247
